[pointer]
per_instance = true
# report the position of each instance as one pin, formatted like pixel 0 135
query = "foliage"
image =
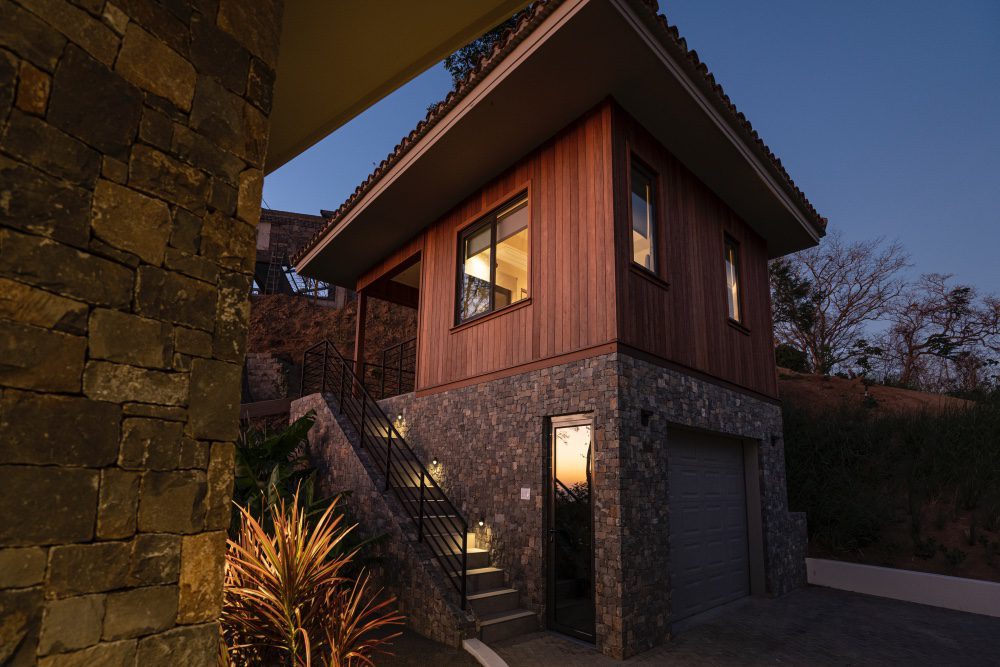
pixel 943 336
pixel 851 468
pixel 825 297
pixel 272 468
pixel 467 58
pixel 287 599
pixel 793 305
pixel 792 358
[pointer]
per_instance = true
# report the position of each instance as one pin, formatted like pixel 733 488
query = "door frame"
pixel 554 423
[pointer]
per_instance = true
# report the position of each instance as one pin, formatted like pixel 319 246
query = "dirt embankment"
pixel 287 325
pixel 953 539
pixel 819 392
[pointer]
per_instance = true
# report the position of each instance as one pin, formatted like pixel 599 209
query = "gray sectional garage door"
pixel 709 562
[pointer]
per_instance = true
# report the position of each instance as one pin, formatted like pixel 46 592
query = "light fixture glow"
pixel 481 523
pixel 434 461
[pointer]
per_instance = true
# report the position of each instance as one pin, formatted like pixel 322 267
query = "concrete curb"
pixel 483 654
pixel 937 590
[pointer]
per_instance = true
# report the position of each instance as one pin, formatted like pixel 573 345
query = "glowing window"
pixel 643 205
pixel 493 261
pixel 733 290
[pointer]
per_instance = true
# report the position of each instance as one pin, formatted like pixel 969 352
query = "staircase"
pixel 480 587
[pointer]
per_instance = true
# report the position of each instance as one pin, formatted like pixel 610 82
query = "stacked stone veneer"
pixel 132 140
pixel 490 440
pixel 269 376
pixel 405 566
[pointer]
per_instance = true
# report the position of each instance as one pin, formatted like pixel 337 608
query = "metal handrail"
pixel 399 360
pixel 437 519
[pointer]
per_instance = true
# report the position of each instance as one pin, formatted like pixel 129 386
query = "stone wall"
pixel 270 377
pixel 132 140
pixel 489 439
pixel 671 398
pixel 406 568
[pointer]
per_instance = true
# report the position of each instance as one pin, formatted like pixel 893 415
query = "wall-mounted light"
pixel 482 523
pixel 434 461
pixel 399 417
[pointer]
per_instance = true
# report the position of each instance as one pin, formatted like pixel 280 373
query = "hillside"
pixel 819 392
pixel 287 325
pixel 904 479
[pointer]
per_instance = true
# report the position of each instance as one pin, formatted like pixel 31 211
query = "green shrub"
pixel 852 469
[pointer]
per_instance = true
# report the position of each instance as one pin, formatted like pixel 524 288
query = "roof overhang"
pixel 338 58
pixel 583 52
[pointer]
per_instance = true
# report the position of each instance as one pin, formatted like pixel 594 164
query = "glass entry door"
pixel 570 528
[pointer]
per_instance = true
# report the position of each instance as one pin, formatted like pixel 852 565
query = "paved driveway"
pixel 811 626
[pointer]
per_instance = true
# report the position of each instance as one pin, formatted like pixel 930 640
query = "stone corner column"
pixel 132 139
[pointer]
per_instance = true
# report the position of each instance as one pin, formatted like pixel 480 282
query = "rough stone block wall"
pixel 407 568
pixel 268 376
pixel 132 140
pixel 490 441
pixel 671 398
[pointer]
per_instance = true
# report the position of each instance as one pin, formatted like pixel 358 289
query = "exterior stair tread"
pixel 491 593
pixel 484 570
pixel 458 552
pixel 500 617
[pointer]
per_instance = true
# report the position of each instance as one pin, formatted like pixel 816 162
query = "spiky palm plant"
pixel 287 600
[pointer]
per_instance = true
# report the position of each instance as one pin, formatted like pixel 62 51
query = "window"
pixel 734 293
pixel 643 218
pixel 493 261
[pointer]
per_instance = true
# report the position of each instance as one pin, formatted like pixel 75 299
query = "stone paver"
pixel 810 626
pixel 412 650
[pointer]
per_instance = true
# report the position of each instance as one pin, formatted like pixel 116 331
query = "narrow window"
pixel 643 218
pixel 734 293
pixel 493 261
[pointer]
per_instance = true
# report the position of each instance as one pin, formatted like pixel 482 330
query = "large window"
pixel 493 261
pixel 734 292
pixel 643 218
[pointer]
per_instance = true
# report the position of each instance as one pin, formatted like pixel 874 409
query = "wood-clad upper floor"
pixel 680 312
pixel 584 295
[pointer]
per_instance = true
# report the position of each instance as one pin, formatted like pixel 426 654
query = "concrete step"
pixel 476 558
pixel 483 579
pixel 494 601
pixel 507 624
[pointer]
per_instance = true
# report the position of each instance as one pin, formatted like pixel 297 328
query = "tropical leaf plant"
pixel 271 467
pixel 289 599
pixel 274 467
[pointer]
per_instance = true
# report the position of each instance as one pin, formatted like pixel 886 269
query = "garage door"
pixel 709 562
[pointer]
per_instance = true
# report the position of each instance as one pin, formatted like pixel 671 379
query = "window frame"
pixel 727 243
pixel 636 163
pixel 481 221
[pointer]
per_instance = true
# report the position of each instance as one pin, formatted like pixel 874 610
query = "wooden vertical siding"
pixel 686 321
pixel 584 295
pixel 571 301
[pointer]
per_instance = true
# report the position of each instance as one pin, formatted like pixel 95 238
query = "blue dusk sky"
pixel 886 114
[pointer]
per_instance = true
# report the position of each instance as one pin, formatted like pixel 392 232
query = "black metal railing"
pixel 396 371
pixel 437 519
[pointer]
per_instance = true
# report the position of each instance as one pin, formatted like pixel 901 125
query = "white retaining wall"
pixel 971 595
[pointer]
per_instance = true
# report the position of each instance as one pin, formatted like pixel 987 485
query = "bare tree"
pixel 850 285
pixel 942 336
